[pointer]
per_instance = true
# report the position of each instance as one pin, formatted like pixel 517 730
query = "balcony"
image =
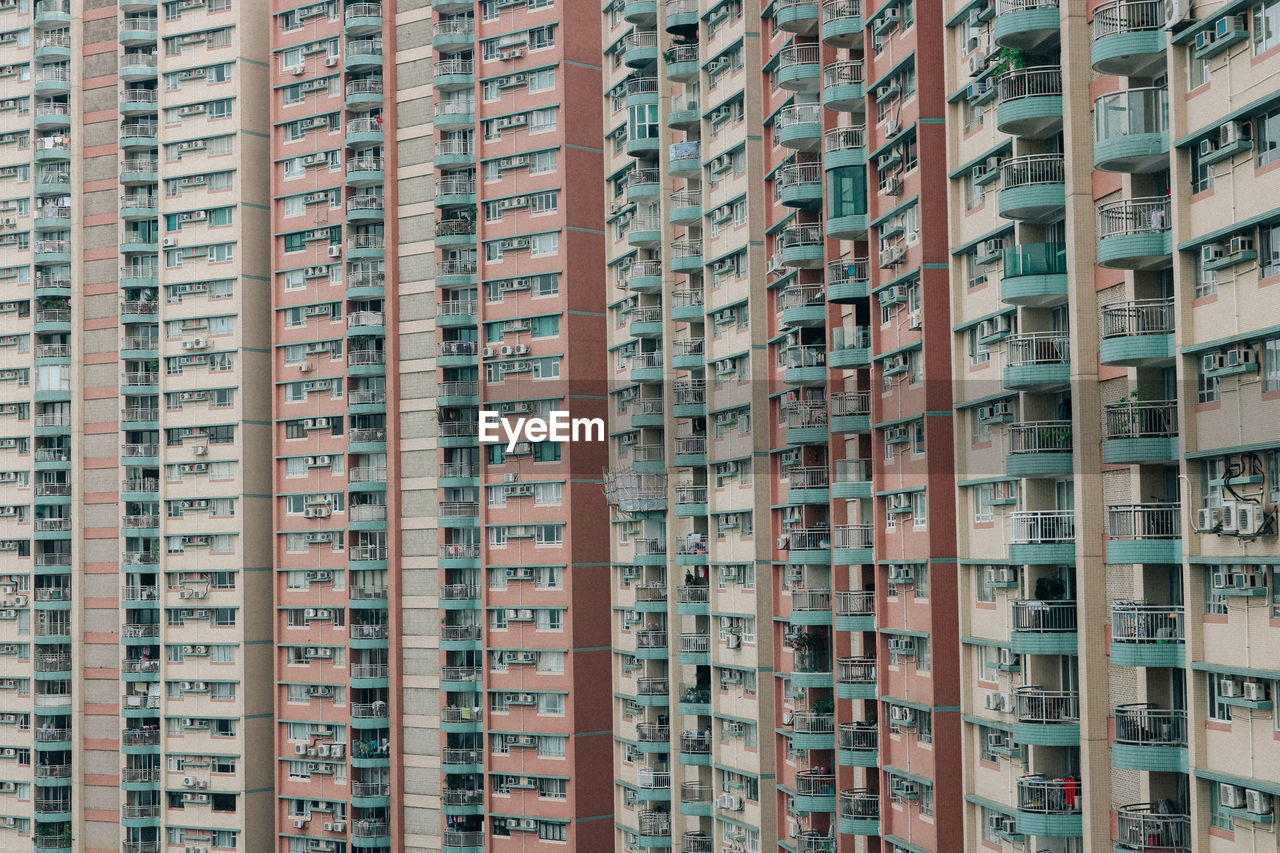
pixel 799 185
pixel 639 48
pixel 1046 717
pixel 1050 806
pixel 1042 537
pixel 470 842
pixel 1044 628
pixel 803 364
pixel 1137 334
pixel 844 145
pixel 1037 361
pixel 1032 188
pixel 843 86
pixel 686 256
pixel 693 649
pixel 364 94
pixel 362 18
pixel 1034 275
pixel 52 114
pixel 1135 234
pixel 364 54
pixel 696 842
pixel 653 784
pixel 1025 24
pixel 642 12
pixel 1039 449
pixel 856 678
pixel 815 791
pixel 806 545
pixel 842 23
pixel 365 208
pixel 850 347
pixel 859 812
pixel 1029 102
pixel 798 67
pixel 135 32
pixel 855 610
pixel 1147 635
pixel 807 422
pixel 682 60
pixel 858 744
pixel 363 170
pixel 799 126
pixel 803 304
pixel 1131 131
pixel 654 825
pixel 850 411
pixel 808 484
pixel 136 65
pixel 1129 38
pixel 1144 828
pixel 1139 431
pixel 1144 533
pixel 641 91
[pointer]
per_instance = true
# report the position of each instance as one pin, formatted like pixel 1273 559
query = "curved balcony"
pixel 855 610
pixel 365 208
pixel 457 114
pixel 798 67
pixel 1037 361
pixel 1131 131
pixel 1029 101
pixel 682 61
pixel 803 304
pixel 1050 807
pixel 641 91
pixel 53 114
pixel 848 280
pixel 1135 234
pixel 138 134
pixel 856 678
pixel 858 744
pixel 843 86
pixel 1042 537
pixel 655 828
pixel 807 422
pixel 803 365
pixel 643 12
pixel 1034 275
pixel 1129 38
pixel 360 19
pixel 1137 333
pixel 1046 717
pixel 1032 188
pixel 453 35
pixel 1138 431
pixel 696 799
pixel 1044 628
pixel 796 16
pixel 842 23
pixel 1144 533
pixel 135 32
pixel 645 231
pixel 1025 24
pixel 684 112
pixel 364 132
pixel 799 126
pixel 686 256
pixel 52 14
pixel 138 101
pixel 455 191
pixel 813 730
pixel 801 245
pixel 852 543
pixel 1145 828
pixel 799 185
pixel 815 791
pixel 653 784
pixel 639 48
pixel 859 812
pixel 135 66
pixel 696 842
pixel 684 207
pixel 850 348
pixel 1039 449
pixel 844 145
pixel 1147 634
pixel 363 94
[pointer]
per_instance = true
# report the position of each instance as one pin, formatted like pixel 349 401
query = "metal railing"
pixel 641 85
pixel 813 723
pixel 844 73
pixel 649 547
pixel 794 114
pixel 809 600
pixel 686 248
pixel 639 38
pixel 807 234
pixel 653 733
pixel 138 60
pixel 368 396
pixel 655 823
pixel 685 52
pixel 853 535
pixel 856 670
pixel 806 355
pixel 1142 419
pixel 652 686
pixel 1040 437
pixel 808 477
pixel 839 10
pixel 803 414
pixel 1038 527
pixel 1019 83
pixel 798 54
pixel 808 539
pixel 1143 724
pixel 696 842
pixel 1005 6
pixel 141 25
pixel 1134 216
pixel 863 737
pixel 651 779
pixel 1131 111
pixel 851 603
pixel 1037 705
pixel 690 444
pixel 859 804
pixel 365 47
pixel 1127 16
pixel 1049 796
pixel 1032 170
pixel 138 128
pixel 365 86
pixel 363 10
pixel 1141 828
pixel 1044 617
pixel 454 838
pixel 1137 622
pixel 651 639
pixel 1141 317
pixel 1038 348
pixel 1144 521
pixel 815 783
pixel 693 643
pixel 850 403
pixel 846 138
pixel 365 202
pixel 366 357
pixel 455 186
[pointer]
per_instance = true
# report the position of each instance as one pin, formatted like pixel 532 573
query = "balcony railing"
pixel 651 639
pixel 1036 705
pixel 650 779
pixel 1143 724
pixel 1143 317
pixel 813 723
pixel 1044 617
pixel 808 477
pixel 694 643
pixel 1146 419
pixel 855 603
pixel 365 86
pixel 654 823
pixel 454 838
pixel 808 539
pixel 1041 527
pixel 1144 521
pixel 1031 170
pixel 1006 6
pixel 863 737
pixel 1146 828
pixel 802 295
pixel 798 54
pixel 810 600
pixel 1137 622
pixel 856 670
pixel 809 234
pixel 1049 796
pixel 1034 82
pixel 1134 216
pixel 1040 437
pixel 859 804
pixel 842 73
pixel 804 414
pixel 850 403
pixel 696 842
pixel 1127 16
pixel 794 114
pixel 838 10
pixel 815 783
pixel 853 535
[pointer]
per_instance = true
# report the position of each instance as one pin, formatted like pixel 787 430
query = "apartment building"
pixel 134 574
pixel 783 545
pixel 517 251
pixel 1114 357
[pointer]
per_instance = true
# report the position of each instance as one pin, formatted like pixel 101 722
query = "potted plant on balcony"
pixel 1010 59
pixel 824 706
pixel 1050 588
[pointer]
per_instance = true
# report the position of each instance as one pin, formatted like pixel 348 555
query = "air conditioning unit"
pixel 317 512
pixel 1008 659
pixel 1211 252
pixel 734 641
pixel 893 186
pixel 1231 796
pixel 1255 691
pixel 913 321
pixel 977 64
pixel 335 251
pixel 169 242
pixel 1240 244
pixel 892 256
pixel 891 128
pixel 330 61
pixel 901 573
pixel 300 823
pixel 1258 802
pixel 200 449
pixel 295 70
pixel 1229 688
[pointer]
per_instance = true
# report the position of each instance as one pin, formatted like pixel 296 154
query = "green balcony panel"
pixel 1129 39
pixel 1052 734
pixel 1034 275
pixel 842 23
pixel 1125 551
pixel 1027 25
pixel 1029 102
pixel 1131 131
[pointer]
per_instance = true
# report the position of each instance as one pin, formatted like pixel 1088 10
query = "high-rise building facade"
pixel 135 563
pixel 1113 237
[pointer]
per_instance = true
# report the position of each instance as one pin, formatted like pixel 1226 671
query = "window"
pixel 1201 173
pixel 1266 26
pixel 847 191
pixel 1217 817
pixel 1271 366
pixel 983 508
pixel 1267 136
pixel 1215 603
pixel 1269 250
pixel 1207 387
pixel 553 831
pixel 1218 710
pixel 920 517
pixel 1197 72
pixel 922 576
pixel 550 620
